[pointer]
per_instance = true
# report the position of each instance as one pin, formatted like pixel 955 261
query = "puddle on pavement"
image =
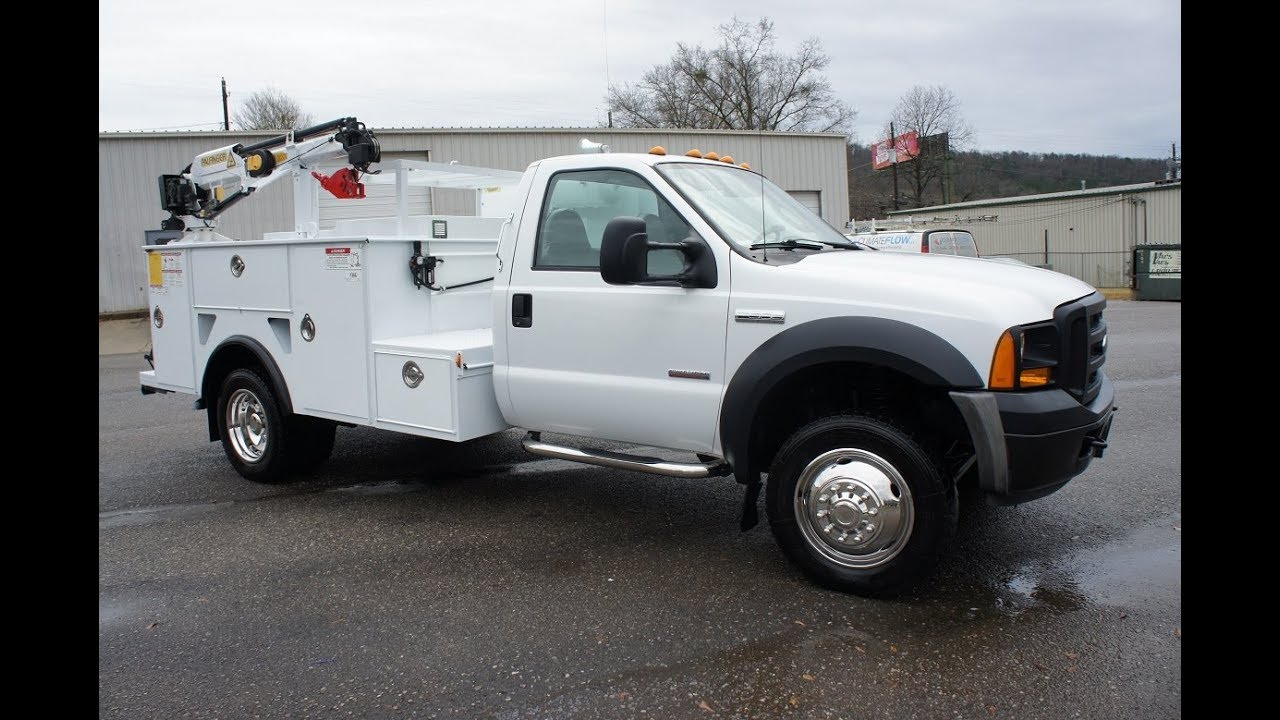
pixel 404 486
pixel 146 516
pixel 1143 566
pixel 450 474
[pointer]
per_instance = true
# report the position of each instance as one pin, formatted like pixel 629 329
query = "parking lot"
pixel 413 578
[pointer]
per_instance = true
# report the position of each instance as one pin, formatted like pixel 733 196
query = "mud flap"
pixel 750 498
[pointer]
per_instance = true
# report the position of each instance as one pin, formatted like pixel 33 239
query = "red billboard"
pixel 903 148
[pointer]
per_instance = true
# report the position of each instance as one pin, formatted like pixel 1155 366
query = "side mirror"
pixel 624 257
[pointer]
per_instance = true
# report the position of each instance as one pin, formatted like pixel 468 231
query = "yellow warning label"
pixel 155 269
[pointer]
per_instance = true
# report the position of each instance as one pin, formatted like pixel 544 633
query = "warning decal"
pixel 341 258
pixel 164 270
pixel 154 271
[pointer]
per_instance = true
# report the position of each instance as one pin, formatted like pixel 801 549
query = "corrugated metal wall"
pixel 129 165
pixel 1090 237
pixel 795 161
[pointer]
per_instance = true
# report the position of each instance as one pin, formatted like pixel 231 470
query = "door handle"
pixel 522 310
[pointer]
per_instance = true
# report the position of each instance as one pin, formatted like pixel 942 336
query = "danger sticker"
pixel 164 270
pixel 341 258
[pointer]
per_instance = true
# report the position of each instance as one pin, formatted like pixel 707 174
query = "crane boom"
pixel 217 179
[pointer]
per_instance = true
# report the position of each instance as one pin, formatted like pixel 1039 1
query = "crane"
pixel 217 179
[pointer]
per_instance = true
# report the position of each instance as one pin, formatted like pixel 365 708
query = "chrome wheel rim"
pixel 854 508
pixel 247 426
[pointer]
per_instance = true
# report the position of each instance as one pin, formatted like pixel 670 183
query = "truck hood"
pixel 1015 292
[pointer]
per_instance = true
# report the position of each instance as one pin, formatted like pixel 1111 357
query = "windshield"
pixel 956 242
pixel 759 218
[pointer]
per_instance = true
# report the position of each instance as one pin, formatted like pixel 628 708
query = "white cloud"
pixel 1084 76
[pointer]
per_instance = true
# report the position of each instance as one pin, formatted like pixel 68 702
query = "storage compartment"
pixel 414 391
pixel 328 345
pixel 438 385
pixel 241 277
pixel 169 312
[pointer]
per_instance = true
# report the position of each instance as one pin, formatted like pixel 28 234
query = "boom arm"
pixel 218 179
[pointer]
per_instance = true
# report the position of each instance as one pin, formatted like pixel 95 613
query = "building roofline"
pixel 1043 197
pixel 129 135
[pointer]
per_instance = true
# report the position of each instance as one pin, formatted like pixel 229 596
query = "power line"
pixel 1062 213
pixel 170 127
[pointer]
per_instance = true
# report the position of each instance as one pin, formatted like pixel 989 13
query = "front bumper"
pixel 1030 444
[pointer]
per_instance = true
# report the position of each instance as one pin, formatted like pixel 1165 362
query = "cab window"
pixel 578 206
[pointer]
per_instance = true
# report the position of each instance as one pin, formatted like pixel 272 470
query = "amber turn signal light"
pixel 1004 366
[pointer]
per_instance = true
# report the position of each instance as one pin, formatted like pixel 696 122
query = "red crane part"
pixel 342 184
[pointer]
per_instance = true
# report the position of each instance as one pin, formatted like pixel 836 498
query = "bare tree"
pixel 743 84
pixel 934 113
pixel 271 109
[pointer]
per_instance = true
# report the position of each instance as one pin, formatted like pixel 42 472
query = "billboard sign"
pixel 902 148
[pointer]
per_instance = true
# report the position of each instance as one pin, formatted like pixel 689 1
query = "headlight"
pixel 1025 358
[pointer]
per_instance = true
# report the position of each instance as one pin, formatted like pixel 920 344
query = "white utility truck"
pixel 672 302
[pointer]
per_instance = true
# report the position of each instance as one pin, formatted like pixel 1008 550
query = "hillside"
pixel 982 175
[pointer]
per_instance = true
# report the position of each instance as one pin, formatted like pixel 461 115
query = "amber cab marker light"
pixel 694 153
pixel 1004 364
pixel 1036 377
pixel 657 150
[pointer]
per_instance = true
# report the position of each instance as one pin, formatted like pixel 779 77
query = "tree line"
pixel 974 175
pixel 745 82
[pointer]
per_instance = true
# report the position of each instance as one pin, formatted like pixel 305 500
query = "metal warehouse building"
pixel 1089 234
pixel 811 166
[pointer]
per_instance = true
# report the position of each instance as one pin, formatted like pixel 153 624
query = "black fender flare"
pixel 208 393
pixel 906 348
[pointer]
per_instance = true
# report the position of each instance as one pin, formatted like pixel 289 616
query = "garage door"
pixel 378 200
pixel 811 199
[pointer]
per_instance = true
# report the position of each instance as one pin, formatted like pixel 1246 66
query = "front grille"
pixel 1084 346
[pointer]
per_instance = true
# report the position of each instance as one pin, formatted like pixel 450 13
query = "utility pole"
pixel 946 165
pixel 1175 162
pixel 610 118
pixel 894 146
pixel 226 119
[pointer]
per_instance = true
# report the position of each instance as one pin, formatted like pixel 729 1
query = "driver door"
pixel 633 363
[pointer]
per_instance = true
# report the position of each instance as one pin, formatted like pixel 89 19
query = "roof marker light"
pixel 694 153
pixel 657 150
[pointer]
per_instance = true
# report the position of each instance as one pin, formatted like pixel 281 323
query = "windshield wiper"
pixel 791 244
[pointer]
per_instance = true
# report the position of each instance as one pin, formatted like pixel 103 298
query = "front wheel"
pixel 860 506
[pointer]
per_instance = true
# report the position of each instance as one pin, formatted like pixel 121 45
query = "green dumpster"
pixel 1157 271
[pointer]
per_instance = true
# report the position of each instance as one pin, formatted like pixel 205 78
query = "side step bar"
pixel 654 466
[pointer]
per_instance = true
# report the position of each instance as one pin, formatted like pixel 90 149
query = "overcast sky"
pixel 1078 76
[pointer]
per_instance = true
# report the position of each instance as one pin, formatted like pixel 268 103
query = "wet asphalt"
pixel 412 578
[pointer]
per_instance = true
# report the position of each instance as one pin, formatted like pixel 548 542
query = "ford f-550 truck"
pixel 673 302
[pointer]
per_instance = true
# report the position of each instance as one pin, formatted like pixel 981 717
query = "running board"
pixel 654 466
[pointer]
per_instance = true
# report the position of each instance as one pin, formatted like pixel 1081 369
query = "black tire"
pixel 254 430
pixel 833 537
pixel 313 442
